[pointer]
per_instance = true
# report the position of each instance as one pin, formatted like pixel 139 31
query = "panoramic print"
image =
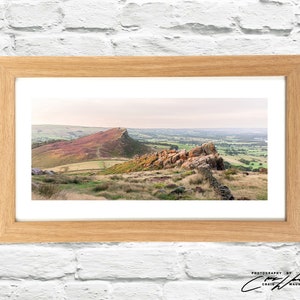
pixel 150 149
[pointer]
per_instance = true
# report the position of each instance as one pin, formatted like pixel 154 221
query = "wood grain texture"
pixel 14 67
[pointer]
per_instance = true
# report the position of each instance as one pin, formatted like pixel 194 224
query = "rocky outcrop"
pixel 37 171
pixel 202 159
pixel 200 156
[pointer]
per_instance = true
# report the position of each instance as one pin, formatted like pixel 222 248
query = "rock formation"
pixel 200 156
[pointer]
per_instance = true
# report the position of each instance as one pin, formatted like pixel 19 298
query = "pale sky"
pixel 152 113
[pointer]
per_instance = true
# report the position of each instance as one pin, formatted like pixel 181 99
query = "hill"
pixel 105 144
pixel 46 133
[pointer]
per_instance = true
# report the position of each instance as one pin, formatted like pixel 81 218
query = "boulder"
pixel 36 171
pixel 195 152
pixel 205 149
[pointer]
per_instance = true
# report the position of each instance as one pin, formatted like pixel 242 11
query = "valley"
pixel 96 163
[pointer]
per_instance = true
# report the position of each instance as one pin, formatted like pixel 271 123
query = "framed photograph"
pixel 149 149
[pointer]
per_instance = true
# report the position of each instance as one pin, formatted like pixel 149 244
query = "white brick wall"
pixel 30 16
pixel 127 264
pixel 146 271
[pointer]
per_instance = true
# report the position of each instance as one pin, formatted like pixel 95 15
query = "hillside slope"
pixel 110 143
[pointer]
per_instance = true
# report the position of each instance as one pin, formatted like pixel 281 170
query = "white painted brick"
pixel 36 14
pixel 150 45
pixel 151 15
pixel 277 1
pixel 5 44
pixel 193 290
pixel 74 44
pixel 232 290
pixel 35 262
pixel 91 14
pixel 6 289
pixel 287 293
pixel 256 45
pixel 298 14
pixel 127 263
pixel 39 291
pixel 238 261
pixel 2 13
pixel 266 16
pixel 87 290
pixel 210 14
pixel 136 291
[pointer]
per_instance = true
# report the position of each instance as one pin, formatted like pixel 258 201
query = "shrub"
pixel 231 171
pixel 116 177
pixel 101 187
pixel 159 185
pixel 167 196
pixel 227 165
pixel 49 179
pixel 48 190
pixel 109 196
pixel 244 161
pixel 62 179
pixel 171 186
pixel 128 189
pixel 228 177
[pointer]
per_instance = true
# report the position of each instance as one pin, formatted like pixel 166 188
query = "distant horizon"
pixel 110 127
pixel 153 112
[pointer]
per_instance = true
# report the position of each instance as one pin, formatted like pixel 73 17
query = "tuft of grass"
pixel 128 190
pixel 62 179
pixel 171 186
pixel 116 177
pixel 228 174
pixel 110 196
pixel 164 196
pixel 48 190
pixel 101 187
pixel 177 178
pixel 159 185
pixel 262 196
pixel 231 171
pixel 188 173
pixel 49 179
pixel 196 179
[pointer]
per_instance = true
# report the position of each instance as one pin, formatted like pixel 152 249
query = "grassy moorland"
pixel 169 184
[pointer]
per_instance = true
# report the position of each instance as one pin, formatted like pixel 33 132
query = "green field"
pixel 87 166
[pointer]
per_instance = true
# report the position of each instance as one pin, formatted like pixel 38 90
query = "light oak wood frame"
pixel 12 231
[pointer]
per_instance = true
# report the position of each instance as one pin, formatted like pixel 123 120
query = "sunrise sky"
pixel 152 113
